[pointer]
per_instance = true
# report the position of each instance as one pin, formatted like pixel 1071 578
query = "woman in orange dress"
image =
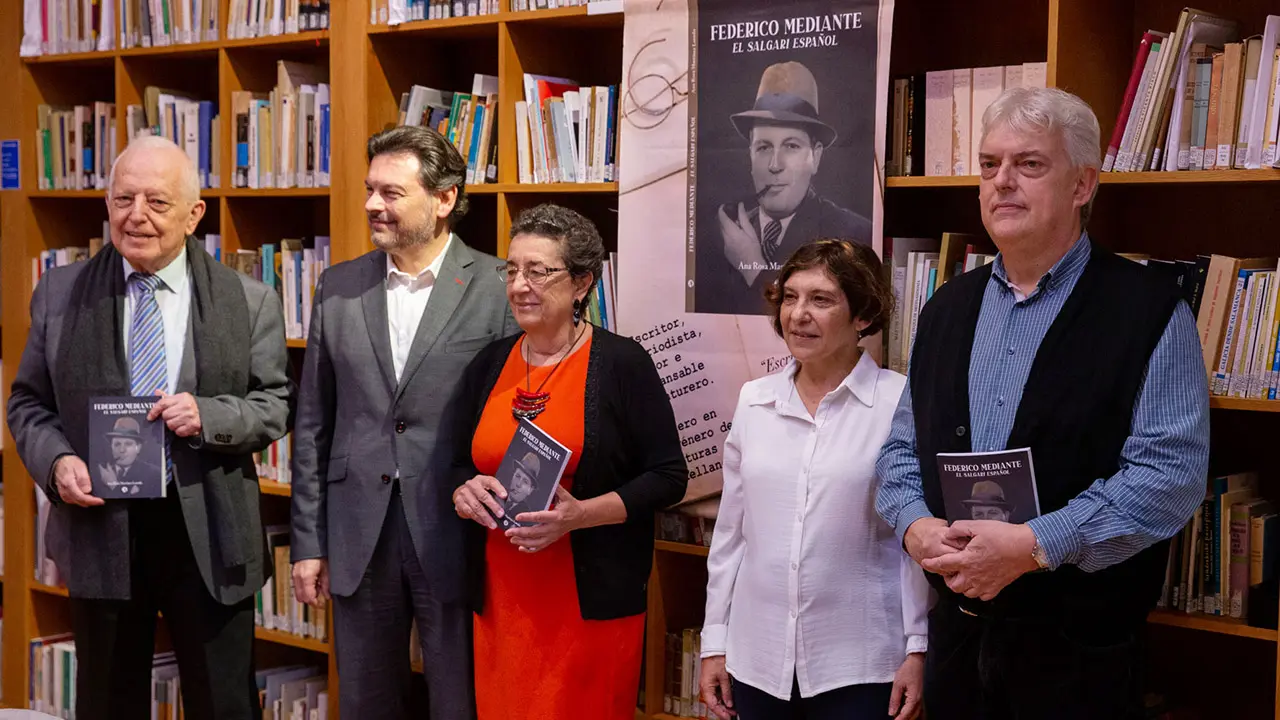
pixel 559 603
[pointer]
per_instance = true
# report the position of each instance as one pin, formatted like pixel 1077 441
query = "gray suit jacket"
pixel 231 426
pixel 356 426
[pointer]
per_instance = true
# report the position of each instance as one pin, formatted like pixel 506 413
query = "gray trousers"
pixel 371 636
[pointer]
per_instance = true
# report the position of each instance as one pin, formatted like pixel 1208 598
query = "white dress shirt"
pixel 174 298
pixel 805 581
pixel 407 297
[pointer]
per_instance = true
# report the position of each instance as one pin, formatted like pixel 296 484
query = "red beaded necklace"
pixel 529 404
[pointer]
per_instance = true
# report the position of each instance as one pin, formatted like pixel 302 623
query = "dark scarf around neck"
pixel 91 362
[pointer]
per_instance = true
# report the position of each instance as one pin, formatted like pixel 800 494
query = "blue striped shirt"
pixel 1164 462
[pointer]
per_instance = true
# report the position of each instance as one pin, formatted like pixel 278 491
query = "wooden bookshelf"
pixel 1210 623
pixel 1224 403
pixel 297 641
pixel 1201 177
pixel 681 548
pixel 271 487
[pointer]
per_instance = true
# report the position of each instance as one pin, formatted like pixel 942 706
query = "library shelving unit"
pixel 369 67
pixel 1088 45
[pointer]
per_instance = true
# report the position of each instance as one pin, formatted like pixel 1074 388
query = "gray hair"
pixel 578 238
pixel 1024 109
pixel 190 185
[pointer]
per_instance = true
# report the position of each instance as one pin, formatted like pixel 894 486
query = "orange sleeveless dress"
pixel 536 658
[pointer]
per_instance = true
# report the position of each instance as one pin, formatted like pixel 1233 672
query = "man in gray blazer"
pixel 151 314
pixel 373 522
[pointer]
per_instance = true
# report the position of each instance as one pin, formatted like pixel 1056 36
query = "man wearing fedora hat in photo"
pixel 126 445
pixel 524 480
pixel 787 138
pixel 986 502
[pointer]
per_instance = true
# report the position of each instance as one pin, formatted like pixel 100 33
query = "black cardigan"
pixel 630 446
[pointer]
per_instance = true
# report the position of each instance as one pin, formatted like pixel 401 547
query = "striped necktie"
pixel 772 237
pixel 148 369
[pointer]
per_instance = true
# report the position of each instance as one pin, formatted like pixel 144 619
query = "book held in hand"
pixel 989 486
pixel 530 472
pixel 126 451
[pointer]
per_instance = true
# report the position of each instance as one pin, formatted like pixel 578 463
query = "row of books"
pixel 275 461
pixel 1238 316
pixel 566 132
pixel 283 137
pixel 917 267
pixel 1225 553
pixel 684 528
pixel 936 123
pixel 75 146
pixel 188 121
pixel 468 120
pixel 395 12
pixel 1200 98
pixel 290 267
pixel 682 678
pixel 264 18
pixel 275 606
pixel 53 27
pixel 53 679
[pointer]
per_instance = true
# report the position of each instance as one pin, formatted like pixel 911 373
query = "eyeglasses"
pixel 533 275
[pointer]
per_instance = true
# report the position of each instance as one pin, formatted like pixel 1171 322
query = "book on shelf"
pixel 293 692
pixel 684 528
pixel 273 461
pixel 275 606
pixel 1199 97
pixel 189 122
pixel 682 674
pixel 267 18
pixel 1237 310
pixel 75 146
pixel 395 12
pixel 528 5
pixel 935 126
pixel 566 132
pixel 1225 555
pixel 468 120
pixel 292 270
pixel 283 136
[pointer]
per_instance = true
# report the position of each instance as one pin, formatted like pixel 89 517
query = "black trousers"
pixel 853 702
pixel 115 639
pixel 372 629
pixel 1068 668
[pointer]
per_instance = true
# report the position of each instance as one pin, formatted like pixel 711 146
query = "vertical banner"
pixel 749 128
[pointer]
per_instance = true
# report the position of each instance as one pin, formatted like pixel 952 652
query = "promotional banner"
pixel 749 128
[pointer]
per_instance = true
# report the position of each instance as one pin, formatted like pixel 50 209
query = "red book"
pixel 1135 75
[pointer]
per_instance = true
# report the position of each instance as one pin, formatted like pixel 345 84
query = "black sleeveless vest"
pixel 1075 415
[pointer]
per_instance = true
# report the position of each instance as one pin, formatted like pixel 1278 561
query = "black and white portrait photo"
pixel 783 131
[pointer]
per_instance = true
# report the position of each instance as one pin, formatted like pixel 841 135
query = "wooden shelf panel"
pixel 681 548
pixel 1110 178
pixel 271 487
pixel 313 38
pixel 296 343
pixel 48 590
pixel 591 188
pixel 1225 403
pixel 1209 623
pixel 71 194
pixel 267 192
pixel 283 638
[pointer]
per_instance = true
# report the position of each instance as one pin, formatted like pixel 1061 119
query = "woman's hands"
pixel 472 497
pixel 716 691
pixel 908 688
pixel 567 515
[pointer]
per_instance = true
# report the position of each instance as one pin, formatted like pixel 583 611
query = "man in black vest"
pixel 1091 362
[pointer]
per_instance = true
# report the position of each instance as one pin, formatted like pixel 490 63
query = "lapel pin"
pixel 458 280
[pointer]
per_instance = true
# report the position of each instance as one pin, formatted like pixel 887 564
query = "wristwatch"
pixel 1038 554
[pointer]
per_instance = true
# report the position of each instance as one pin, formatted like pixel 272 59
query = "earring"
pixel 577 312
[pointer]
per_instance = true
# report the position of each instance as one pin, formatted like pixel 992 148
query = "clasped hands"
pixel 978 558
pixel 477 499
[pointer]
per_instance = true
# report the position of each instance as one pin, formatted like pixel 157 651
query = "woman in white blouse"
pixel 813 609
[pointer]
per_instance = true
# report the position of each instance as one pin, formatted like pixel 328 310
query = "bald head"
pixel 163 153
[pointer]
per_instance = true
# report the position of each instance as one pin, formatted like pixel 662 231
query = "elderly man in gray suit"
pixel 151 314
pixel 373 522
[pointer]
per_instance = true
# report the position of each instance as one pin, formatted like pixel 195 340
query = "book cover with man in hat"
pixel 530 471
pixel 126 450
pixel 989 486
pixel 782 140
